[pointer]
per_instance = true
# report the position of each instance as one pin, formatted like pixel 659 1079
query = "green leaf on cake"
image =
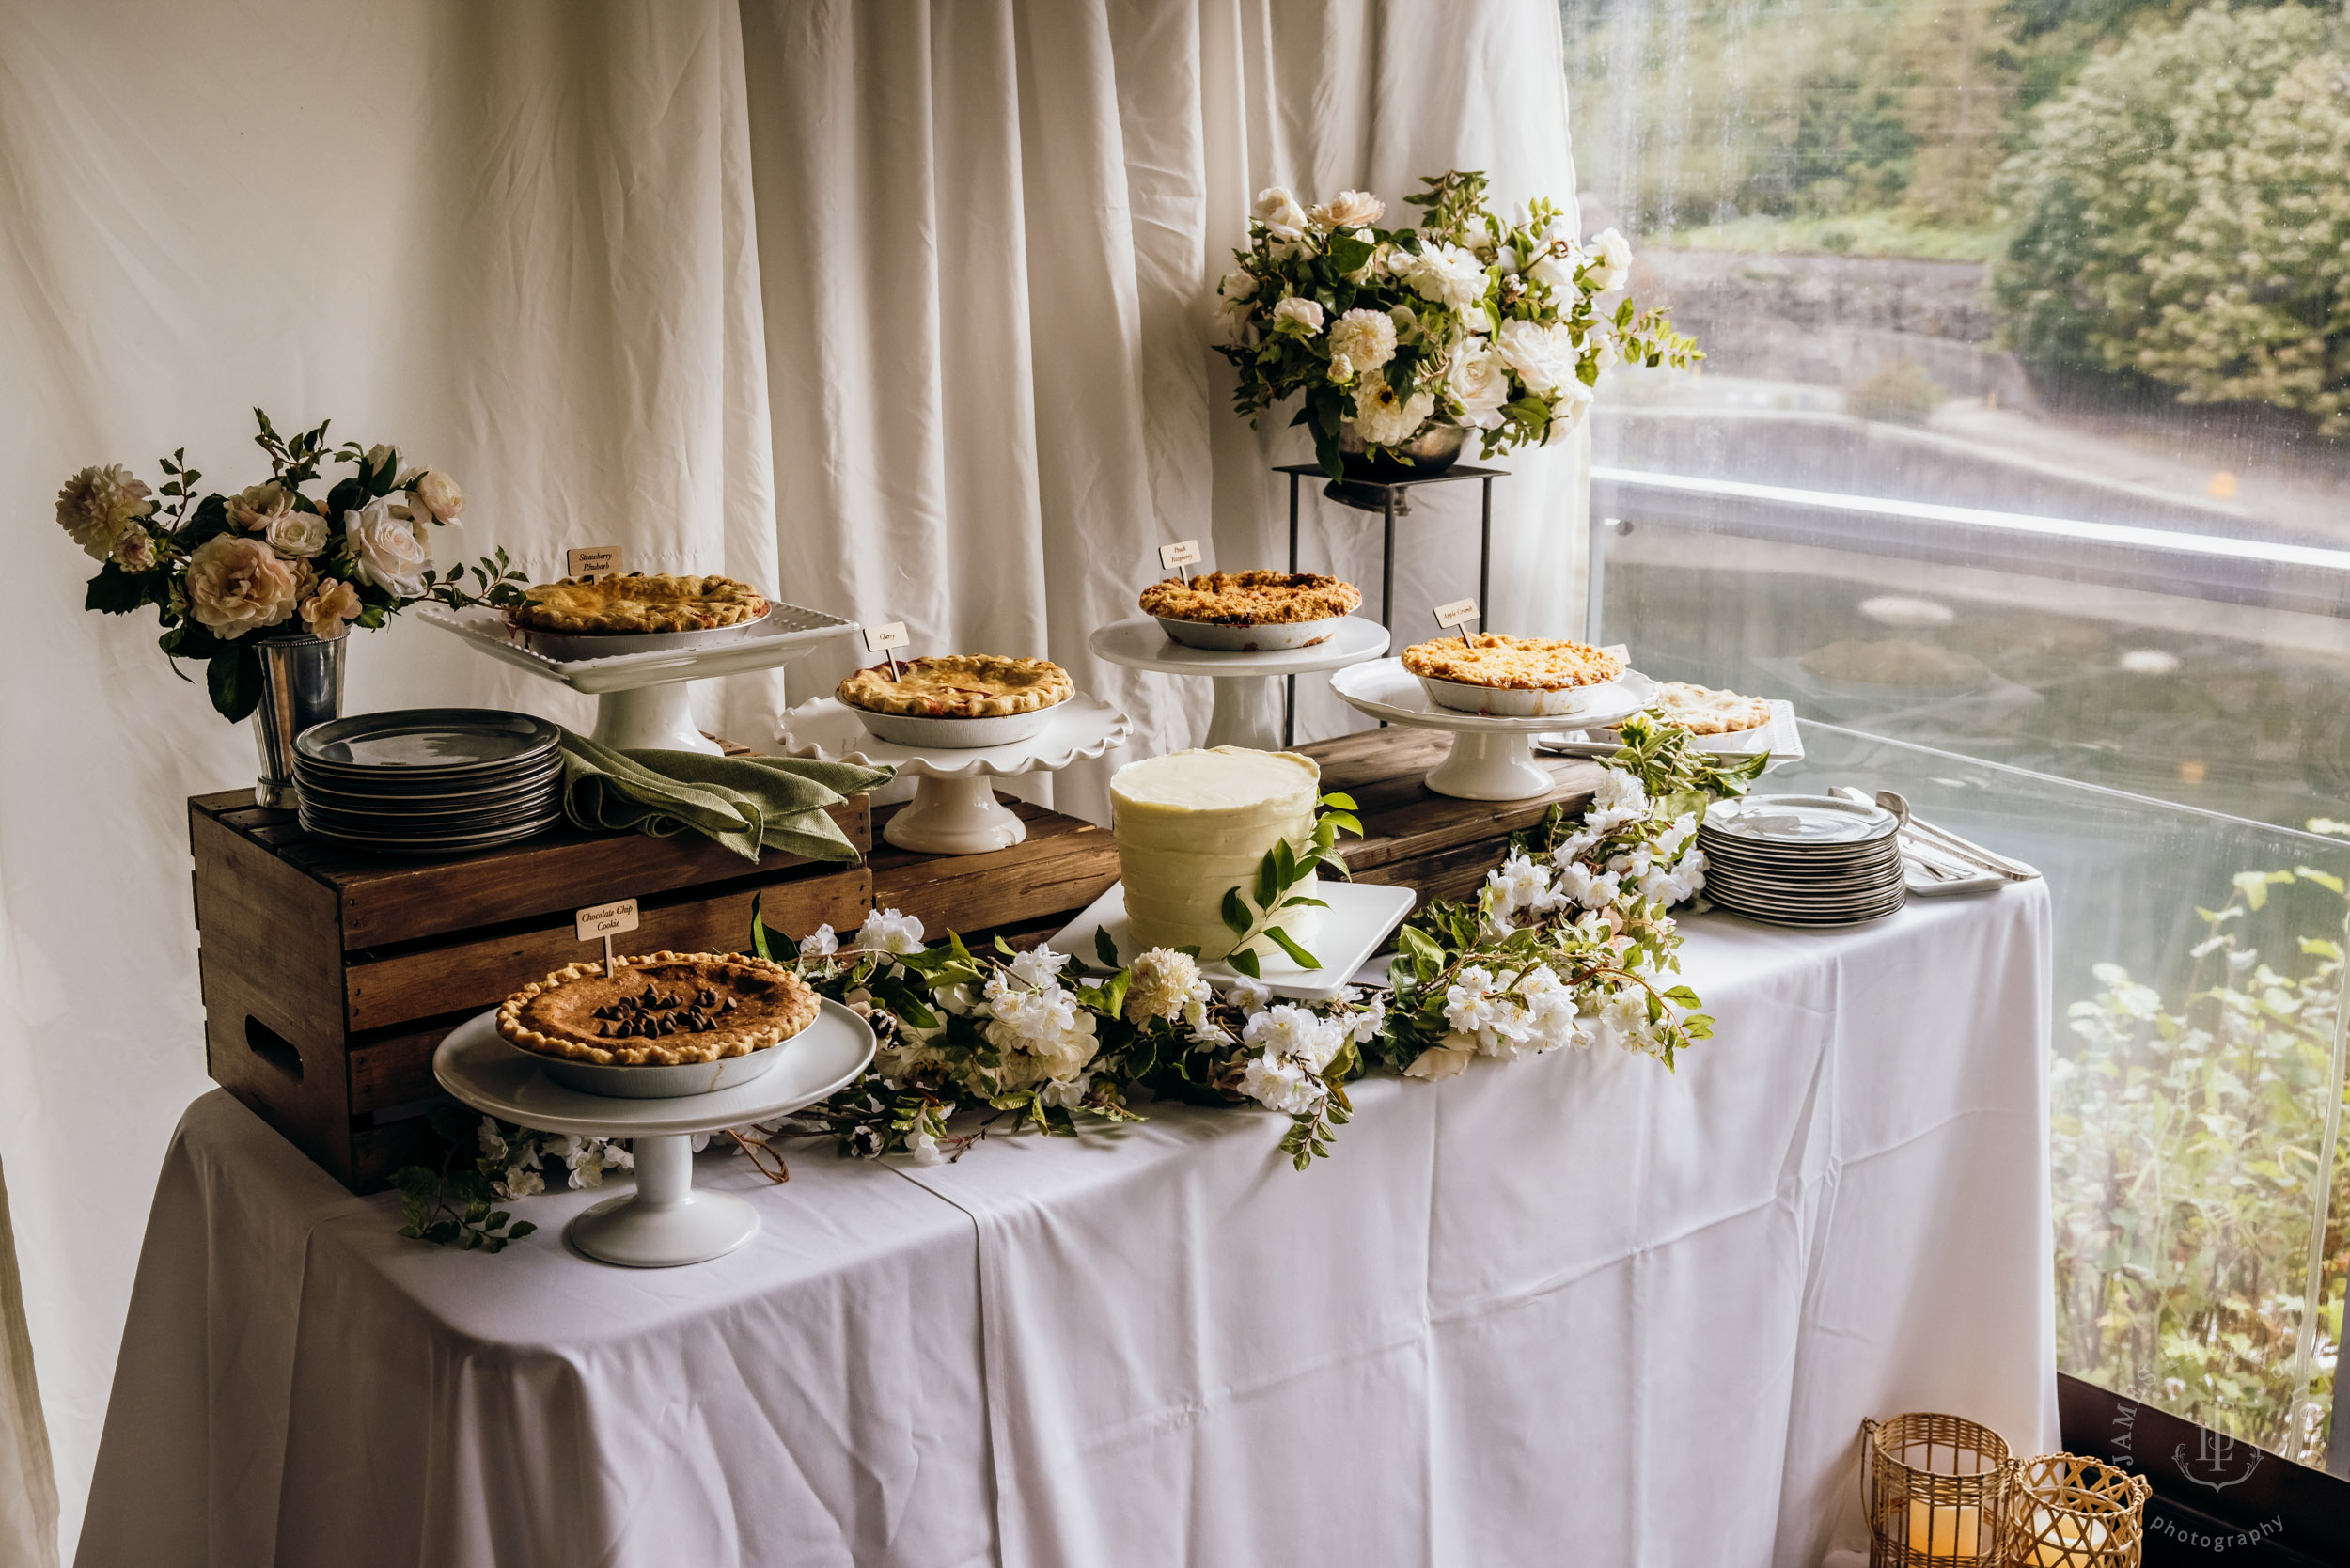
pixel 1245 960
pixel 1235 913
pixel 1299 955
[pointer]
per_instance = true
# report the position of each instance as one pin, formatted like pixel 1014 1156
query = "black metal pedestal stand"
pixel 1389 490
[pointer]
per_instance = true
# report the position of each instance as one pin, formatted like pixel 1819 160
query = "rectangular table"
pixel 1573 1308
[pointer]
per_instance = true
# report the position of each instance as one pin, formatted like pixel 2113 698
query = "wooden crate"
pixel 329 976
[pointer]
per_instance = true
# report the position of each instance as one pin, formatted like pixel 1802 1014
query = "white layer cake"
pixel 1192 825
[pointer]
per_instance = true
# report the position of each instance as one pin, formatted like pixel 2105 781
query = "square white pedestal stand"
pixel 641 699
pixel 665 1222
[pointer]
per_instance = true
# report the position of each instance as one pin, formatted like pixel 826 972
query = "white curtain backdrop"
pixel 899 306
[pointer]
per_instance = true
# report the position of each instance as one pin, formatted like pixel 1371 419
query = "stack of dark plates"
pixel 1803 860
pixel 429 780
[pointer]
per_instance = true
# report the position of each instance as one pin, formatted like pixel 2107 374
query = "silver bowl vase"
pixel 302 684
pixel 1435 449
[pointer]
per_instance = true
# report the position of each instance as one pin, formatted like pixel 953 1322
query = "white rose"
pixel 1366 337
pixel 381 457
pixel 386 550
pixel 237 585
pixel 300 534
pixel 134 551
pixel 1299 312
pixel 1479 377
pixel 1615 261
pixel 252 507
pixel 1280 212
pixel 1446 274
pixel 1350 209
pixel 1543 356
pixel 1237 287
pixel 1384 418
pixel 1567 409
pixel 98 507
pixel 437 494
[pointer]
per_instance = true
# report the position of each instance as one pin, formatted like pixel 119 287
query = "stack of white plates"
pixel 429 780
pixel 1803 860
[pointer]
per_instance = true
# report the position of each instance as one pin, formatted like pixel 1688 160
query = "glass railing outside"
pixel 2200 1177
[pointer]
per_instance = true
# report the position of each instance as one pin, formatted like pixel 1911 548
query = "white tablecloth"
pixel 1567 1309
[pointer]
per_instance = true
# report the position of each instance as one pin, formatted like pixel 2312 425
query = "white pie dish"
pixel 955 734
pixel 1250 639
pixel 1516 702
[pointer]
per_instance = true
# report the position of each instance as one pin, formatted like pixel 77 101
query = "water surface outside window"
pixel 2021 463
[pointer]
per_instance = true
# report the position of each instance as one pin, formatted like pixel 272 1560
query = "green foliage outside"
pixel 2190 1151
pixel 2183 212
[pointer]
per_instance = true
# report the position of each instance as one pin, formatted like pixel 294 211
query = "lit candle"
pixel 1944 1530
pixel 2065 1541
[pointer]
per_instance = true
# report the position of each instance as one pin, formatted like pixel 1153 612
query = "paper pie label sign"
pixel 1459 613
pixel 607 919
pixel 1621 650
pixel 592 561
pixel 1183 553
pixel 881 639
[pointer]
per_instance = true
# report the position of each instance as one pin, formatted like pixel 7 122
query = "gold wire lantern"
pixel 2074 1513
pixel 1938 1490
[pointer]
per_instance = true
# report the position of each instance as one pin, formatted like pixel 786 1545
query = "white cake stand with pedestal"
pixel 641 699
pixel 954 809
pixel 665 1222
pixel 1492 755
pixel 1248 707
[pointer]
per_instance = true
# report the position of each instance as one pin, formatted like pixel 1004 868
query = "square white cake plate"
pixel 1358 924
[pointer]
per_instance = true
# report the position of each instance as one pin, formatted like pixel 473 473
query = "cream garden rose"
pixel 1280 212
pixel 300 534
pixel 438 495
pixel 1479 377
pixel 1297 314
pixel 254 508
pixel 330 610
pixel 1349 209
pixel 98 505
pixel 1366 337
pixel 1543 356
pixel 386 550
pixel 237 583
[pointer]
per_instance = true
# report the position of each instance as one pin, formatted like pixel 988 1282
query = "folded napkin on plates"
pixel 748 804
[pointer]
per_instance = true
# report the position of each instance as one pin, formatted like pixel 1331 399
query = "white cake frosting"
pixel 1192 825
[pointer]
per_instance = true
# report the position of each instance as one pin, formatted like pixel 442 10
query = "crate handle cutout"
pixel 272 1047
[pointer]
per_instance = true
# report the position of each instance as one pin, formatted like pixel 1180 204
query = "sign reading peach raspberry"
pixel 1183 553
pixel 591 562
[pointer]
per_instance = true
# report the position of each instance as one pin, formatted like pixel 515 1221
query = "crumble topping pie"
pixel 1710 709
pixel 636 603
pixel 959 686
pixel 1252 598
pixel 1521 664
pixel 662 1008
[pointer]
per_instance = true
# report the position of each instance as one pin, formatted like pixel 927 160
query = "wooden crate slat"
pixel 479 974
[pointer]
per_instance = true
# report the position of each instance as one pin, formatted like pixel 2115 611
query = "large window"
pixel 2020 461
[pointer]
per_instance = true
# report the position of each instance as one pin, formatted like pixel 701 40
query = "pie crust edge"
pixel 666 1050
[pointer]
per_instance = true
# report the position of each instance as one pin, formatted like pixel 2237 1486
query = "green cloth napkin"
pixel 748 804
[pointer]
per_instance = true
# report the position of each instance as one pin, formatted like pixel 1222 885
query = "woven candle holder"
pixel 2074 1512
pixel 1938 1490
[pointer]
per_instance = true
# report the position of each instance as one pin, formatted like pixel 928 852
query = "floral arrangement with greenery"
pixel 225 572
pixel 1497 324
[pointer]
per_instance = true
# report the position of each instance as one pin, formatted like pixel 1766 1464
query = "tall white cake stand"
pixel 641 699
pixel 954 809
pixel 1248 707
pixel 665 1222
pixel 1492 755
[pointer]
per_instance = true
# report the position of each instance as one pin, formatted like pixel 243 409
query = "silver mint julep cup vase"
pixel 302 684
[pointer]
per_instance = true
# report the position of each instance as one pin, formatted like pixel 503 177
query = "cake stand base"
pixel 651 718
pixel 1247 713
pixel 955 816
pixel 664 1223
pixel 1485 766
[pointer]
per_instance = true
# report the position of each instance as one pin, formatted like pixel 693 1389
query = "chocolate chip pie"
pixel 662 1008
pixel 959 686
pixel 638 603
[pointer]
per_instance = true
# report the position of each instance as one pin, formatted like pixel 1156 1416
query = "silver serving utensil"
pixel 1949 844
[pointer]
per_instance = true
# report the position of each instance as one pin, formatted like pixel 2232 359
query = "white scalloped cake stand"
pixel 1492 755
pixel 954 809
pixel 641 700
pixel 665 1222
pixel 1247 685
